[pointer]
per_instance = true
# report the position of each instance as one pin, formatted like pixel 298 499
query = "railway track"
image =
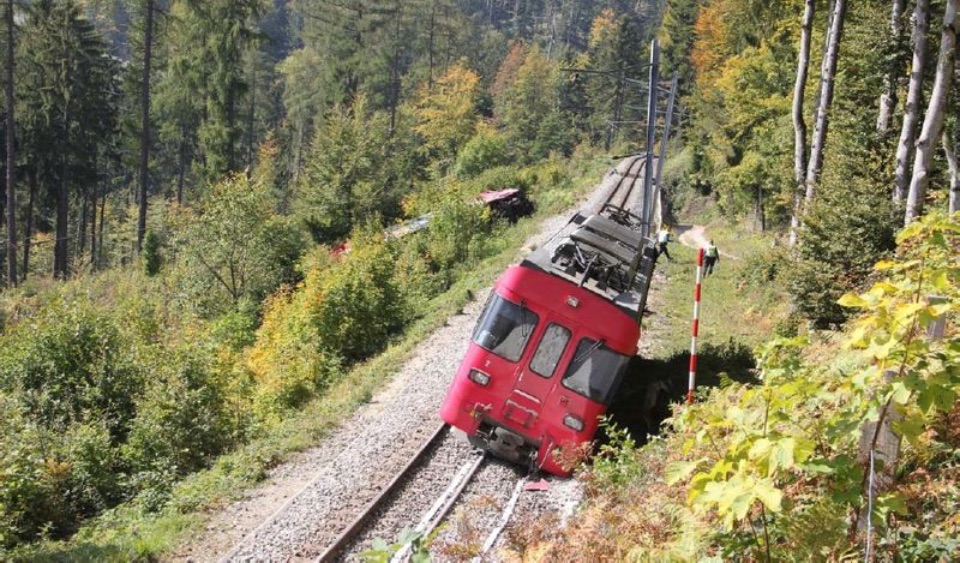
pixel 629 179
pixel 434 450
pixel 431 519
pixel 374 485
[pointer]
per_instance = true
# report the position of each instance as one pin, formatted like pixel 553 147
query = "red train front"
pixel 552 345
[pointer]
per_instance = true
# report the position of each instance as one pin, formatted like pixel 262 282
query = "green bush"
pixel 499 178
pixel 417 276
pixel 845 232
pixel 487 149
pixel 71 364
pixel 359 304
pixel 50 480
pixel 22 489
pixel 455 233
pixel 763 267
pixel 151 254
pixel 235 248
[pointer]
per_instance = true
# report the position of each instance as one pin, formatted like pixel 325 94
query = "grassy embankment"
pixel 127 532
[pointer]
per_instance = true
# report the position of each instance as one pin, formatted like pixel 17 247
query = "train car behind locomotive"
pixel 553 342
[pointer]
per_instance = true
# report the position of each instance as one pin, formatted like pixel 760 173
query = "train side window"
pixel 504 328
pixel 549 350
pixel 595 371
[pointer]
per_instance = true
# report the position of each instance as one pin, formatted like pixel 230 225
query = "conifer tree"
pixel 11 152
pixel 144 176
pixel 72 102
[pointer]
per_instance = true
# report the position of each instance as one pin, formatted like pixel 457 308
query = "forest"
pixel 177 172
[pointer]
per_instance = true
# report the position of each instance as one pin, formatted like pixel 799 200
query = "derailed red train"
pixel 553 342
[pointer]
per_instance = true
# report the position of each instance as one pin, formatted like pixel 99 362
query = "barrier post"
pixel 695 328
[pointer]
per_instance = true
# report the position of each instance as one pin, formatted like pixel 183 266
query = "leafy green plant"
pixel 615 463
pixel 487 149
pixel 152 260
pixel 803 426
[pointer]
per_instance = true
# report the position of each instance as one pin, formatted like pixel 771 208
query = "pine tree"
pixel 72 106
pixel 148 9
pixel 11 152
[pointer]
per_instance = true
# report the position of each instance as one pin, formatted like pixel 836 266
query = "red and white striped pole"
pixel 695 328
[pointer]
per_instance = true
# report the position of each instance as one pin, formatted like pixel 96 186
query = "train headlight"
pixel 479 377
pixel 573 423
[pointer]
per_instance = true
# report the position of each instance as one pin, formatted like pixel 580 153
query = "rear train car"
pixel 553 342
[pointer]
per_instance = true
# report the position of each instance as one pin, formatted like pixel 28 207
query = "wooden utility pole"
pixel 799 125
pixel 11 161
pixel 933 120
pixel 911 114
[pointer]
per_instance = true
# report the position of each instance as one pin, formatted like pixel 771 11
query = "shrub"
pixel 151 254
pixel 358 304
pixel 22 489
pixel 763 267
pixel 845 232
pixel 455 232
pixel 487 149
pixel 499 178
pixel 51 480
pixel 182 418
pixel 285 360
pixel 235 248
pixel 417 275
pixel 71 364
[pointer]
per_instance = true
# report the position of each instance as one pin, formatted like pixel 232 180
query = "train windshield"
pixel 551 347
pixel 504 328
pixel 595 371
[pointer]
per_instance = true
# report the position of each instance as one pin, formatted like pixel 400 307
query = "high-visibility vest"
pixel 712 251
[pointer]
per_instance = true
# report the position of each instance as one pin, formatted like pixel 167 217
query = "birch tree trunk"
pixel 888 100
pixel 823 64
pixel 951 153
pixel 799 125
pixel 831 55
pixel 933 120
pixel 908 132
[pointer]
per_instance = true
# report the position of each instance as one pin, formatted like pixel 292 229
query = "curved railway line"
pixel 414 484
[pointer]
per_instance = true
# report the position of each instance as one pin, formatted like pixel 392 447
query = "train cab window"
pixel 504 328
pixel 549 350
pixel 595 371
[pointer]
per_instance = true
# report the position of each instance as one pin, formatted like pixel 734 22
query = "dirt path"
pixel 694 236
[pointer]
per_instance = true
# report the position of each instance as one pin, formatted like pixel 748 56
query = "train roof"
pixel 596 252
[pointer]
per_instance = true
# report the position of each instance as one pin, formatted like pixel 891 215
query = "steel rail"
pixel 636 177
pixel 505 517
pixel 442 507
pixel 359 523
pixel 621 180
